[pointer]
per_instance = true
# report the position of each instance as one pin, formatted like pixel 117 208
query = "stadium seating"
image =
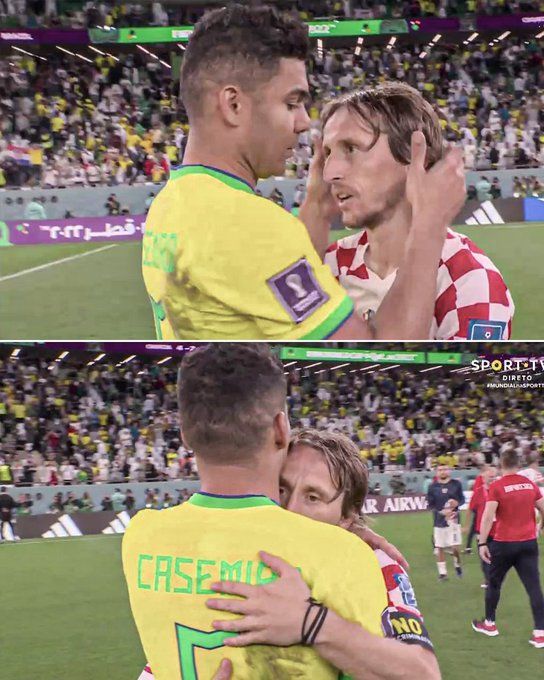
pixel 71 422
pixel 67 122
pixel 85 13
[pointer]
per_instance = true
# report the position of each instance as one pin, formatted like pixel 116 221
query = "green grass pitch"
pixel 66 613
pixel 101 295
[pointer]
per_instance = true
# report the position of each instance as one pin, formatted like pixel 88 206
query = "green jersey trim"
pixel 332 322
pixel 230 180
pixel 205 500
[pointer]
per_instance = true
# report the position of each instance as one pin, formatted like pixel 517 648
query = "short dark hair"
pixel 348 472
pixel 228 395
pixel 396 110
pixel 241 44
pixel 509 459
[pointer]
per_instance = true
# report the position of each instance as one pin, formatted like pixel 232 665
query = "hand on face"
pixel 317 190
pixel 270 614
pixel 439 192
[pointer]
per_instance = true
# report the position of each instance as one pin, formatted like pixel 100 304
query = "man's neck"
pixel 239 480
pixel 201 151
pixel 387 240
pixel 515 471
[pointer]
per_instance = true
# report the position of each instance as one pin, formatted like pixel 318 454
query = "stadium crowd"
pixel 66 122
pixel 114 13
pixel 70 423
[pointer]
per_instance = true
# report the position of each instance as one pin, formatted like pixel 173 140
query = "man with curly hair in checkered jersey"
pixel 364 157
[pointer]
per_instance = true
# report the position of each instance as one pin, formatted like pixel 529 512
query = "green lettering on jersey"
pixel 159 315
pixel 188 639
pixel 201 577
pixel 230 572
pixel 141 584
pixel 260 579
pixel 163 573
pixel 159 250
pixel 188 579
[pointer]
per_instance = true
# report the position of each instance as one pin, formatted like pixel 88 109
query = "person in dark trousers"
pixel 477 507
pixel 472 531
pixel 7 507
pixel 444 497
pixel 511 503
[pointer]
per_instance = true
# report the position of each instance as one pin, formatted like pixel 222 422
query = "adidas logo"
pixel 119 524
pixel 485 214
pixel 65 526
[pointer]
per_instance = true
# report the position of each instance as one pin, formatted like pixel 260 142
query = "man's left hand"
pixel 271 614
pixel 485 554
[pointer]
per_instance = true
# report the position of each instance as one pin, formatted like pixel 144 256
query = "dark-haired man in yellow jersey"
pixel 219 261
pixel 232 413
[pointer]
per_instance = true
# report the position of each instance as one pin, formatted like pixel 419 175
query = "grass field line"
pixel 55 262
pixel 29 541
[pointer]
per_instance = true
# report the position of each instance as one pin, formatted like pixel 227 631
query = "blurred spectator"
pixel 495 189
pixel 483 188
pixel 118 500
pixel 112 205
pixel 130 501
pixel 34 210
pixel 149 201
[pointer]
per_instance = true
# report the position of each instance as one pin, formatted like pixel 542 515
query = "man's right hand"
pixel 225 671
pixel 438 192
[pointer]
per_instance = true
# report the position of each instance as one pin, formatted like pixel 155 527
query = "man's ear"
pixel 232 104
pixel 282 430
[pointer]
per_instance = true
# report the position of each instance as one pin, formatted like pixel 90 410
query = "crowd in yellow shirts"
pixel 118 120
pixel 72 422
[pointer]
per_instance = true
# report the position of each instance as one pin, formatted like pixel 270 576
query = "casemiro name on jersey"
pixel 190 576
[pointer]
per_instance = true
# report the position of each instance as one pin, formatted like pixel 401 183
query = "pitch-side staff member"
pixel 511 501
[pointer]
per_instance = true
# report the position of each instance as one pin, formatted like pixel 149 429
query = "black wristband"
pixel 310 632
pixel 482 545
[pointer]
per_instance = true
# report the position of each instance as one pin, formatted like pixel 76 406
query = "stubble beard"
pixel 372 220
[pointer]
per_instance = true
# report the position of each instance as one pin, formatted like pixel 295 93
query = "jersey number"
pixel 188 639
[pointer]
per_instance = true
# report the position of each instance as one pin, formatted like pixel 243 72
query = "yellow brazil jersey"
pixel 220 262
pixel 170 558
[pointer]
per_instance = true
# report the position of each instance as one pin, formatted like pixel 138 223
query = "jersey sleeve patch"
pixel 480 329
pixel 297 290
pixel 407 628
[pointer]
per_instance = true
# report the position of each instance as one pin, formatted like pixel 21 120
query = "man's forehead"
pixel 344 123
pixel 291 75
pixel 308 461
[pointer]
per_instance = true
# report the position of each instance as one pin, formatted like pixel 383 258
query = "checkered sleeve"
pixel 471 293
pixel 404 621
pixel 331 259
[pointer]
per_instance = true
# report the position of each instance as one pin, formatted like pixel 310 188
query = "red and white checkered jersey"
pixel 535 476
pixel 472 302
pixel 403 622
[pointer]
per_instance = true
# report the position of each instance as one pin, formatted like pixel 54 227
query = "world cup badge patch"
pixel 297 290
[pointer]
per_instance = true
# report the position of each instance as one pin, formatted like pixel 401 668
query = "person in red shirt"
pixel 476 510
pixel 511 501
pixel 472 532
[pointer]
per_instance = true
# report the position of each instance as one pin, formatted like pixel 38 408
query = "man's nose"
pixel 302 122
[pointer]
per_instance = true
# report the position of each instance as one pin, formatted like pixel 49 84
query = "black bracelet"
pixel 311 631
pixel 482 545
